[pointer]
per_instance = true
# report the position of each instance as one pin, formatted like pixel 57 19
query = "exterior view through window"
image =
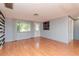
pixel 23 27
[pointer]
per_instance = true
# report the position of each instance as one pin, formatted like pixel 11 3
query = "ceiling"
pixel 45 11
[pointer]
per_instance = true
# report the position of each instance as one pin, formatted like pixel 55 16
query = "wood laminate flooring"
pixel 27 47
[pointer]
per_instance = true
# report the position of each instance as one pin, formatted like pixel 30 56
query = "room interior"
pixel 39 29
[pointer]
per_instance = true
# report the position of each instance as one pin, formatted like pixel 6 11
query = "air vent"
pixel 36 14
pixel 9 5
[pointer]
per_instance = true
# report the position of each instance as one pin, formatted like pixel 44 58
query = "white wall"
pixel 76 30
pixel 11 34
pixel 61 29
pixel 58 30
pixel 9 30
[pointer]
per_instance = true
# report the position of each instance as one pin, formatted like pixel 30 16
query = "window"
pixel 37 26
pixel 23 27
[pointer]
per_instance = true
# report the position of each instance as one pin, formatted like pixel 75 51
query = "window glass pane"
pixel 23 27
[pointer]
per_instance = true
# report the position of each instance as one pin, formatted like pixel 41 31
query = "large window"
pixel 23 27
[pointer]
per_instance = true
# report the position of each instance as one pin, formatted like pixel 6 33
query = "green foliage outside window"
pixel 23 27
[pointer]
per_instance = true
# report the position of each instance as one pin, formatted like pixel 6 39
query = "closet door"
pixel 2 30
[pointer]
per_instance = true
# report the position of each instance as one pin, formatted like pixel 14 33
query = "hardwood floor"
pixel 47 48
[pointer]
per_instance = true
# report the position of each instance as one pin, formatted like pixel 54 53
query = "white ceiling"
pixel 46 11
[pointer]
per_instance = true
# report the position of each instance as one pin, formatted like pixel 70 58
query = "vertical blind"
pixel 2 29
